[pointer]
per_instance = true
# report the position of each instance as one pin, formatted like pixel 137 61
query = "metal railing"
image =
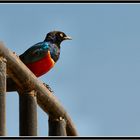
pixel 32 92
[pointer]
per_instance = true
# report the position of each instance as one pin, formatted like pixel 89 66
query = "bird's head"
pixel 56 37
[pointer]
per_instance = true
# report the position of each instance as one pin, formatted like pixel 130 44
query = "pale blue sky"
pixel 97 78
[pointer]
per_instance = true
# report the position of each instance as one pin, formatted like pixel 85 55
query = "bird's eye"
pixel 61 34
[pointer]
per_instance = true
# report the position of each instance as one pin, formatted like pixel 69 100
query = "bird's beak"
pixel 67 38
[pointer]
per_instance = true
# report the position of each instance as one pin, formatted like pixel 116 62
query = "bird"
pixel 41 57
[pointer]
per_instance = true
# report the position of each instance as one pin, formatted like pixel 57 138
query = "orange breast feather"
pixel 42 66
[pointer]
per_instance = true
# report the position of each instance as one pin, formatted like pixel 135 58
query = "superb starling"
pixel 41 57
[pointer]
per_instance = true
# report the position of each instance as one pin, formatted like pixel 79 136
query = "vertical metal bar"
pixel 57 127
pixel 28 114
pixel 2 96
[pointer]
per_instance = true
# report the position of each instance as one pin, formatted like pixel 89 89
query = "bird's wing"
pixel 39 48
pixel 35 53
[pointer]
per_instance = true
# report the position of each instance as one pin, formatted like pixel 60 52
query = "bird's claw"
pixel 48 87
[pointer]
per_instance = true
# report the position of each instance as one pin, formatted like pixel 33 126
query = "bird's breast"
pixel 41 66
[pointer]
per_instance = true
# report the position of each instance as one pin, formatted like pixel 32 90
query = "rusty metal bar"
pixel 27 81
pixel 2 96
pixel 27 114
pixel 57 127
pixel 10 85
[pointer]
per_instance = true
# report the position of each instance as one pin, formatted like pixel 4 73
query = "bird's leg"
pixel 48 87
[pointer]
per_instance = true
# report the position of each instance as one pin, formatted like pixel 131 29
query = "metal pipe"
pixel 26 80
pixel 57 127
pixel 2 96
pixel 27 113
